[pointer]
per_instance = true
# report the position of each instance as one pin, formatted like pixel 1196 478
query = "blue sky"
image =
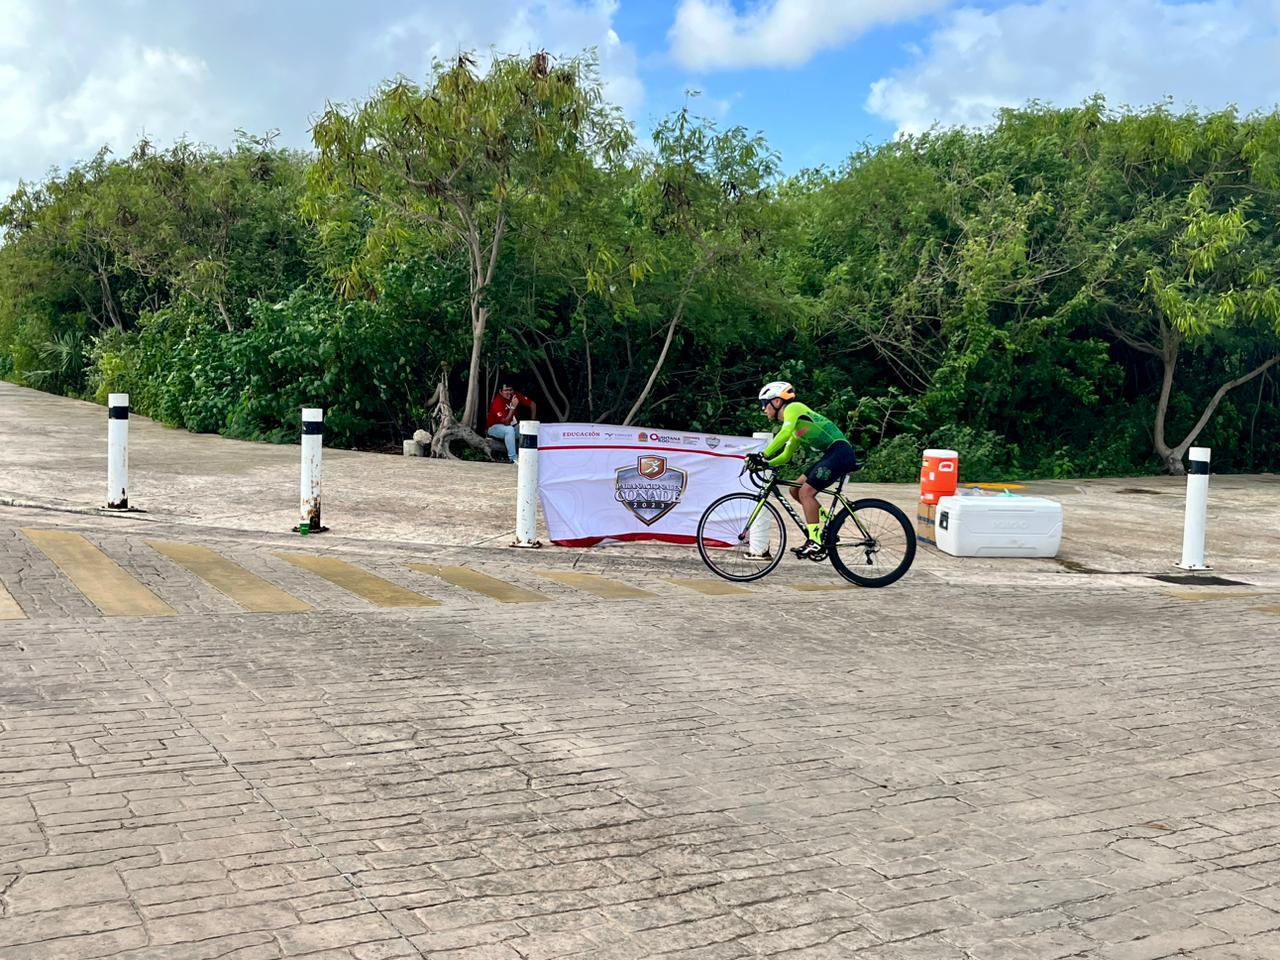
pixel 813 114
pixel 817 77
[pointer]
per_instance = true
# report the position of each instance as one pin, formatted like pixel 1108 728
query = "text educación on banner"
pixel 602 482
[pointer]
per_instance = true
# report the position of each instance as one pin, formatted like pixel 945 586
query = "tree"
pixel 1218 283
pixel 88 253
pixel 700 221
pixel 460 163
pixel 64 225
pixel 1178 268
pixel 219 227
pixel 563 295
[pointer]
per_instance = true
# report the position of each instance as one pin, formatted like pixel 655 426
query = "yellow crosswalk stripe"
pixel 712 588
pixel 375 589
pixel 103 582
pixel 9 609
pixel 476 582
pixel 247 589
pixel 596 585
pixel 1275 610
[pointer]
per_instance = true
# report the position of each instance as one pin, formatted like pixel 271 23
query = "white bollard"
pixel 1197 504
pixel 312 445
pixel 527 486
pixel 758 538
pixel 118 451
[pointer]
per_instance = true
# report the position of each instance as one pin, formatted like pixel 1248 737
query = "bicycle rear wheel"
pixel 734 546
pixel 872 547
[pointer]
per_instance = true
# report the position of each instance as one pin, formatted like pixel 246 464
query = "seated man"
pixel 501 422
pixel 803 428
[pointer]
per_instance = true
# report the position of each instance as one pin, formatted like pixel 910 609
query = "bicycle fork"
pixel 756 534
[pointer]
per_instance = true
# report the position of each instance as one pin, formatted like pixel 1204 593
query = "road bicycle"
pixel 742 537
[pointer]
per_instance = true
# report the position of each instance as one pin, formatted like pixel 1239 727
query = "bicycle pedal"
pixel 802 554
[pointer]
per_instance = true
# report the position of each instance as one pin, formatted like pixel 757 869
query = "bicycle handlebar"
pixel 758 478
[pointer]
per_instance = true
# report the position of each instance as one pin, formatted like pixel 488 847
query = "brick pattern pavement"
pixel 1071 768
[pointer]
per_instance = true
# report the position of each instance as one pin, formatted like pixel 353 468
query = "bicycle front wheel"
pixel 738 541
pixel 873 546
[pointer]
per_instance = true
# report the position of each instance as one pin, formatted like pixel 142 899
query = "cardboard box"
pixel 926 520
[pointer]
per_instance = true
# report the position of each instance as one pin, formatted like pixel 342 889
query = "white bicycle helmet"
pixel 778 389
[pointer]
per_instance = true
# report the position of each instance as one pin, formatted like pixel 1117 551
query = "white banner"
pixel 601 482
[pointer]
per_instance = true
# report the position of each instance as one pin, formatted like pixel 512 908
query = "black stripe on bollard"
pixel 311 428
pixel 528 440
pixel 1197 467
pixel 117 413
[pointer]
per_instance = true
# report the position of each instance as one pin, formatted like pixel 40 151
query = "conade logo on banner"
pixel 650 489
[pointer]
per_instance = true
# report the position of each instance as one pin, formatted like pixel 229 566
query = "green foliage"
pixel 895 461
pixel 368 364
pixel 1066 293
pixel 457 165
pixel 114 238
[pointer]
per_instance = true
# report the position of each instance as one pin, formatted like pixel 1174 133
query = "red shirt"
pixel 499 409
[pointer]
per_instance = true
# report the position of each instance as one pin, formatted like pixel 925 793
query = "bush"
pixel 985 456
pixel 366 363
pixel 176 368
pixel 894 461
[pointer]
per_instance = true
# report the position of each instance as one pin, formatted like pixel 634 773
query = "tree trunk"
pixel 1170 342
pixel 591 400
pixel 109 300
pixel 561 412
pixel 1253 420
pixel 657 367
pixel 451 431
pixel 482 271
pixel 1177 452
pixel 671 332
pixel 226 317
pixel 448 429
pixel 471 406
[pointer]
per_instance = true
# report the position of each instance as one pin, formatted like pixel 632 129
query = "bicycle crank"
pixel 816 557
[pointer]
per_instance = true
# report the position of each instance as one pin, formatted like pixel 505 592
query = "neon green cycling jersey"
pixel 802 427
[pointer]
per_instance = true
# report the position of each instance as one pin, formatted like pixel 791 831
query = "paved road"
pixel 1035 765
pixel 53 453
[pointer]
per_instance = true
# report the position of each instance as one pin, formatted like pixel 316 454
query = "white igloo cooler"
pixel 999 526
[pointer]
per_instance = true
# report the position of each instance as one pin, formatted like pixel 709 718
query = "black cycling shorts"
pixel 838 461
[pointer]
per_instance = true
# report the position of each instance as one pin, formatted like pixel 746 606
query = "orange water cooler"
pixel 939 473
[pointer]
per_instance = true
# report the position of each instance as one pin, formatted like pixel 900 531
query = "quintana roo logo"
pixel 651 489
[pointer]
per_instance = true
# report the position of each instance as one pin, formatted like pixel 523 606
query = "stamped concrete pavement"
pixel 983 761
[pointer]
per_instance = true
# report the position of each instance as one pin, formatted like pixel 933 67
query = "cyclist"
pixel 803 428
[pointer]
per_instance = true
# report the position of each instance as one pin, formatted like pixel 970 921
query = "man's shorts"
pixel 834 464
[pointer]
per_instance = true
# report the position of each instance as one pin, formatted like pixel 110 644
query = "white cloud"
pixel 137 90
pixel 17 22
pixel 1207 54
pixel 76 76
pixel 71 84
pixel 711 35
pixel 562 27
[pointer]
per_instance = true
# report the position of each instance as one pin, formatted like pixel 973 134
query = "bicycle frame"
pixel 773 488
